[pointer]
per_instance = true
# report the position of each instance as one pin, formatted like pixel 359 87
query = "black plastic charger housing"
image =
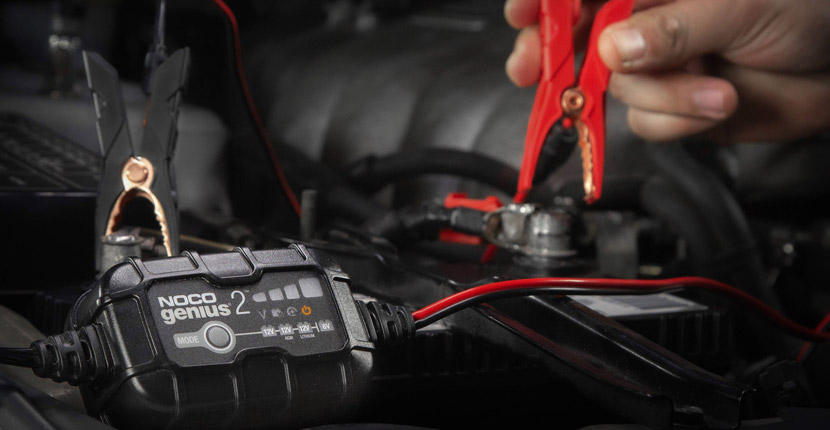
pixel 244 339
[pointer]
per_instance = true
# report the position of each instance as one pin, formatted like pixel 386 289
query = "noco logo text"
pixel 191 306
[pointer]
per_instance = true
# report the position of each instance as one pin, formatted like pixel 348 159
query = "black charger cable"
pixel 157 52
pixel 74 356
pixel 22 357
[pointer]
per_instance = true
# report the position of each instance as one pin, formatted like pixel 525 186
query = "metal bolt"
pixel 573 101
pixel 137 173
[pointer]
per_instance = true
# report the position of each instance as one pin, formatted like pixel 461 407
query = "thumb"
pixel 669 35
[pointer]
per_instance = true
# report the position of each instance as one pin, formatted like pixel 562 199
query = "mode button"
pixel 218 337
pixel 215 336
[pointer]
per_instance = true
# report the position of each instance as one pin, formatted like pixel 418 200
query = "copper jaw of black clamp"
pixel 137 171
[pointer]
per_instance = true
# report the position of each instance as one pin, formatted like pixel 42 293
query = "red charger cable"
pixel 820 328
pixel 740 296
pixel 263 134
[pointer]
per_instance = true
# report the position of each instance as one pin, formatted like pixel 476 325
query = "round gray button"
pixel 218 337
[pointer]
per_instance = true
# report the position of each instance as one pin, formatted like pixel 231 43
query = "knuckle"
pixel 758 16
pixel 671 31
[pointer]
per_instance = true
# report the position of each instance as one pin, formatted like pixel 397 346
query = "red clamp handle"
pixel 456 200
pixel 556 19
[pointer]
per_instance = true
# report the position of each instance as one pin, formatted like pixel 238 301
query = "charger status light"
pixel 308 288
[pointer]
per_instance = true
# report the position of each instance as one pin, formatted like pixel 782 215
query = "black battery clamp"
pixel 243 339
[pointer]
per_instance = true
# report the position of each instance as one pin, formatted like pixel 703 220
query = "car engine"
pixel 302 213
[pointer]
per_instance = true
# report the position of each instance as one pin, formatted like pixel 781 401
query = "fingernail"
pixel 630 43
pixel 710 102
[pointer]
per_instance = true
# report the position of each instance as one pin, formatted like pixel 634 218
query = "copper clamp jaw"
pixel 137 177
pixel 573 101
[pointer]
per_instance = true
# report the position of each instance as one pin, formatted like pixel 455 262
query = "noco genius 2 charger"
pixel 239 339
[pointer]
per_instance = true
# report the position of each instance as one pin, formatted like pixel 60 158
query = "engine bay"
pixel 305 213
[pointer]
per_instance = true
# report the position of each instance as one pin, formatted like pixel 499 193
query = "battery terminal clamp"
pixel 131 170
pixel 567 108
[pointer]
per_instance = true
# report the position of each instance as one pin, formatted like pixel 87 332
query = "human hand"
pixel 737 69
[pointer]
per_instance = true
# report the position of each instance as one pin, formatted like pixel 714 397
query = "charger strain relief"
pixel 386 324
pixel 74 356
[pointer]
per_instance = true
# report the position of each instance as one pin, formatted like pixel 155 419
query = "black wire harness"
pixel 23 357
pixel 410 225
pixel 373 173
